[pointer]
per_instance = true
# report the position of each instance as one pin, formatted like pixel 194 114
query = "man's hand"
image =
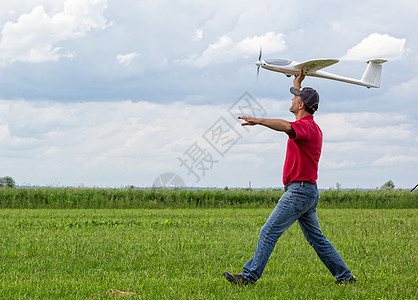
pixel 297 81
pixel 249 121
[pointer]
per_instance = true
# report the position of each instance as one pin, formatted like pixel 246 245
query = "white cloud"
pixel 83 142
pixel 226 50
pixel 126 59
pixel 404 91
pixel 120 143
pixel 396 160
pixel 198 34
pixel 4 133
pixel 51 151
pixel 364 142
pixel 336 165
pixel 365 126
pixel 270 42
pixel 377 46
pixel 35 36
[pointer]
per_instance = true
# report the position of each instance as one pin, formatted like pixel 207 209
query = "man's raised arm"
pixel 297 81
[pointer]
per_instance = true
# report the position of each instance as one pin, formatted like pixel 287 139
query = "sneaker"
pixel 236 278
pixel 351 279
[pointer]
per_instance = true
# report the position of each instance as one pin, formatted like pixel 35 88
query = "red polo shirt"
pixel 303 152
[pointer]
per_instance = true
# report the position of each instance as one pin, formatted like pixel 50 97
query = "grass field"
pixel 181 254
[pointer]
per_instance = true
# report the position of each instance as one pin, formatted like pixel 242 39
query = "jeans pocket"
pixel 302 201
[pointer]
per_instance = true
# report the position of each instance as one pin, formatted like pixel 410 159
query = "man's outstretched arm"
pixel 275 124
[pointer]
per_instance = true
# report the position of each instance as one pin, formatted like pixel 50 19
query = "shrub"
pixel 7 182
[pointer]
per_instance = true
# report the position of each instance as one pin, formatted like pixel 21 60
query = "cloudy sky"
pixel 113 93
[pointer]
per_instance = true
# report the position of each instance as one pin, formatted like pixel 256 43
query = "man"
pixel 300 198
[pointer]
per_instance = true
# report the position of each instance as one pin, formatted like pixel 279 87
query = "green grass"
pixel 178 198
pixel 181 254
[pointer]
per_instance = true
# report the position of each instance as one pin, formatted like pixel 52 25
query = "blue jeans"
pixel 297 203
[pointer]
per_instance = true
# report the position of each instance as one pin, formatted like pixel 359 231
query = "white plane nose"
pixel 258 63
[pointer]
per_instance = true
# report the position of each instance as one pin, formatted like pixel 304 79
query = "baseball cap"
pixel 308 95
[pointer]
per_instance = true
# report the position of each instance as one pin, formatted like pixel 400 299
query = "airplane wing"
pixel 314 65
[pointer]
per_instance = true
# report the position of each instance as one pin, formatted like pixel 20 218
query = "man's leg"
pixel 290 207
pixel 324 249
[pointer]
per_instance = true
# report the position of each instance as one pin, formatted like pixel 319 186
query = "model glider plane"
pixel 370 78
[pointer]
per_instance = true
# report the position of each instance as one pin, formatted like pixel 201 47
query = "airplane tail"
pixel 371 77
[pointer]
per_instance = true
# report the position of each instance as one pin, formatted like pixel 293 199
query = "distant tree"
pixel 388 185
pixel 7 182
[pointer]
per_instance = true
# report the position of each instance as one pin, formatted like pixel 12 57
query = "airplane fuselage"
pixel 311 68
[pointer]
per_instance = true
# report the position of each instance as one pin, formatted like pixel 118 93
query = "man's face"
pixel 294 108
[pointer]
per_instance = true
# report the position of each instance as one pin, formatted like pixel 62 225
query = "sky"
pixel 106 93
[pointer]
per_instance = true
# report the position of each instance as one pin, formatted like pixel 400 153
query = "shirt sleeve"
pixel 302 132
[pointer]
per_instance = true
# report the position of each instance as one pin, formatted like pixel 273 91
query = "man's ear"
pixel 301 105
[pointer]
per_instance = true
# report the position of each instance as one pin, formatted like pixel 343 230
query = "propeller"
pixel 258 63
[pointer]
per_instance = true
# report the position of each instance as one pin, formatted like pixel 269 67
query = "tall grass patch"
pixel 59 198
